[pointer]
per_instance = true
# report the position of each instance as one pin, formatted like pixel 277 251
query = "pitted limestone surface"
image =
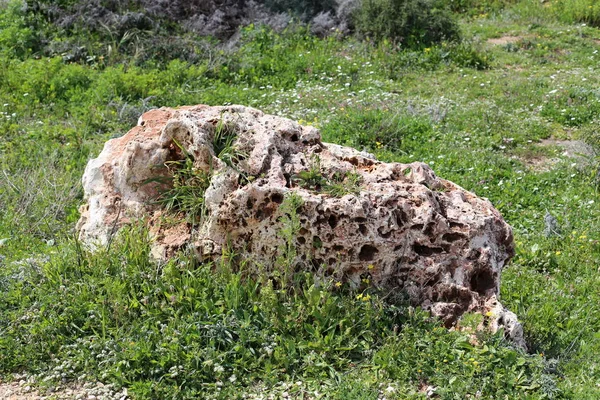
pixel 405 229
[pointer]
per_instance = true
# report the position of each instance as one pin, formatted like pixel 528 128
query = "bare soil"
pixel 504 40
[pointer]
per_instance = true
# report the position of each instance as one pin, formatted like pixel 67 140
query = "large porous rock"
pixel 396 226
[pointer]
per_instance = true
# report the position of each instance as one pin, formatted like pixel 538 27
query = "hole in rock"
pixel 453 236
pixel 301 240
pixel 367 253
pixel 383 234
pixel 277 198
pixel 474 254
pixel 288 180
pixel 482 281
pixel 429 229
pixel 332 221
pixel 337 247
pixel 332 261
pixel 426 250
pixel 401 217
pixel 362 228
pixel 294 138
pixel 317 242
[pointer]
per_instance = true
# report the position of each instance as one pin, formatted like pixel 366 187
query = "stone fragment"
pixel 360 221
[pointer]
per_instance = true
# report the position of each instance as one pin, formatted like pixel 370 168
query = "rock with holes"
pixel 357 220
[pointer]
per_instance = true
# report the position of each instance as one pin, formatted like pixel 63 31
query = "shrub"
pixel 474 7
pixel 16 39
pixel 411 23
pixel 304 8
pixel 572 11
pixel 464 54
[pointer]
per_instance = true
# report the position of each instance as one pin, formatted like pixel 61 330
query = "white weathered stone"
pixel 499 317
pixel 407 231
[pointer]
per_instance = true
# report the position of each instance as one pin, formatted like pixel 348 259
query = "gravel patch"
pixel 23 388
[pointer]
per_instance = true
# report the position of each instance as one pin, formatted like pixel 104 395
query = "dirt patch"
pixel 540 164
pixel 597 41
pixel 14 391
pixel 515 68
pixel 578 151
pixel 24 390
pixel 501 41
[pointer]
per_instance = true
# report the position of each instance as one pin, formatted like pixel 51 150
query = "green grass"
pixel 474 111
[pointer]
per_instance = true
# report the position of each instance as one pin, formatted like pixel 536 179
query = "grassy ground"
pixel 477 112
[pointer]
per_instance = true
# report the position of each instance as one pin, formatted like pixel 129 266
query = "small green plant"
pixel 340 184
pixel 223 141
pixel 312 178
pixel 471 322
pixel 464 54
pixel 225 148
pixel 188 187
pixel 343 183
pixel 284 265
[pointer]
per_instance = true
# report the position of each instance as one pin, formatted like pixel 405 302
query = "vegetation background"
pixel 499 96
